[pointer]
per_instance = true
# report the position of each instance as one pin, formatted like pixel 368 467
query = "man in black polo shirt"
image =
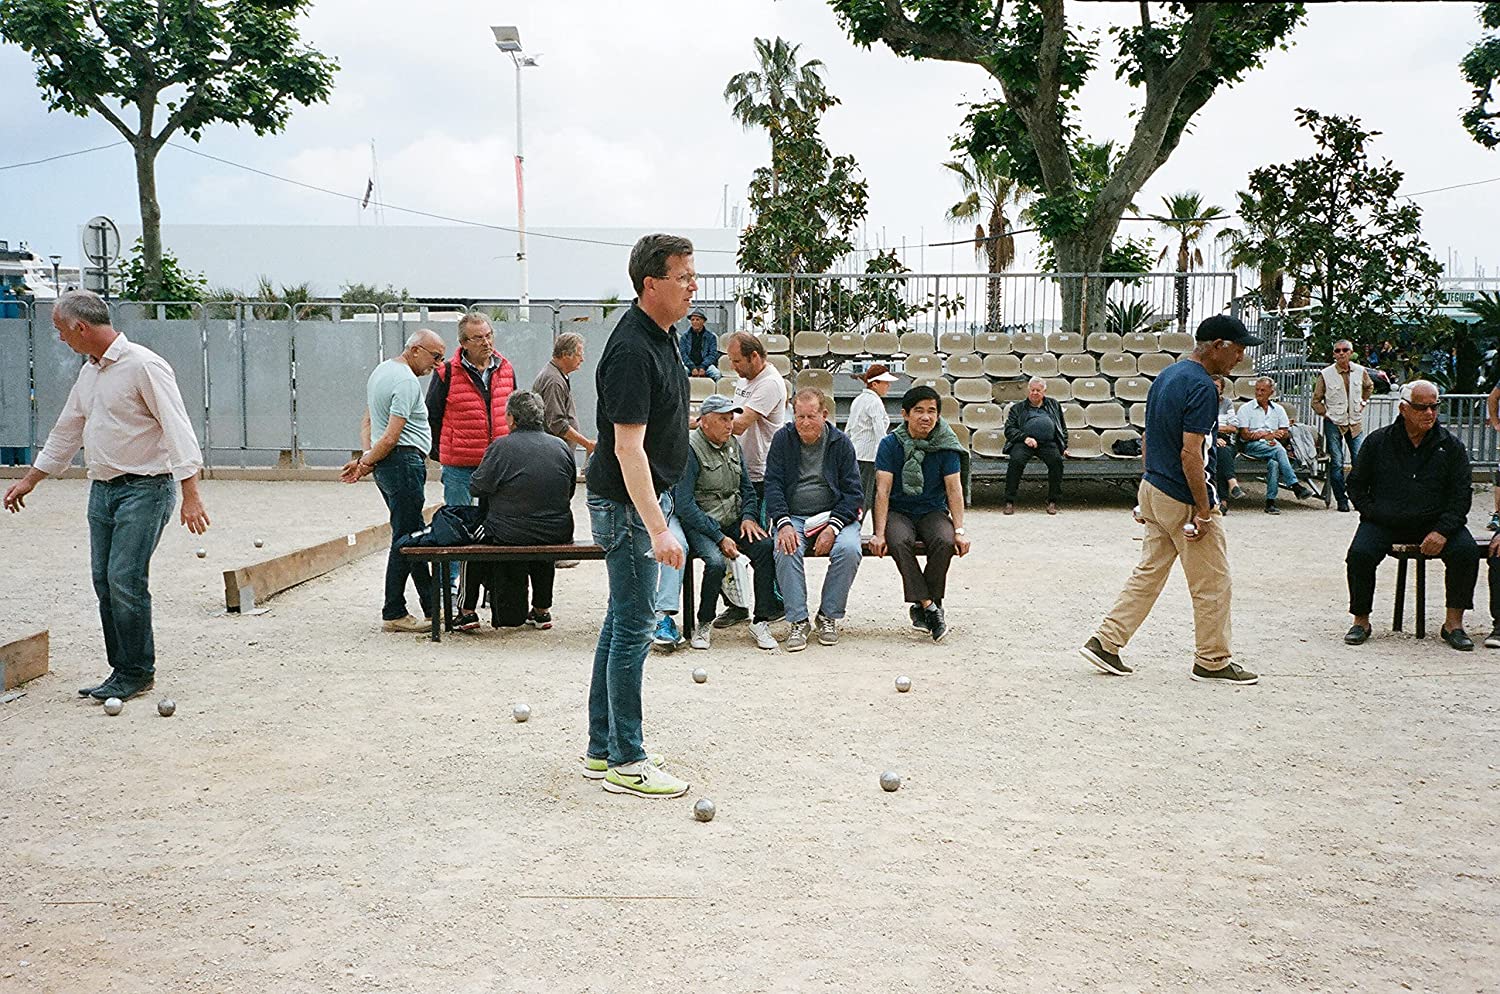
pixel 642 451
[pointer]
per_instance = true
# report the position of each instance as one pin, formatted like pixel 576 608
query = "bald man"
pixel 398 460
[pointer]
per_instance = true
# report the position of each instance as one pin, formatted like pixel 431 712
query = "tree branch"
pixel 1043 110
pixel 113 118
pixel 945 46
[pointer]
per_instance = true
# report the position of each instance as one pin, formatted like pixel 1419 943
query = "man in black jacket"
pixel 1412 484
pixel 1034 429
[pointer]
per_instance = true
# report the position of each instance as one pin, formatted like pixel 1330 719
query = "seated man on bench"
pixel 813 497
pixel 919 494
pixel 526 481
pixel 1412 484
pixel 716 515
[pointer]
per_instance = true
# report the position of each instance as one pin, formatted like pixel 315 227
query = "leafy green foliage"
pixel 202 62
pixel 1342 233
pixel 175 284
pixel 368 293
pixel 1178 55
pixel 1128 317
pixel 1188 217
pixel 1481 67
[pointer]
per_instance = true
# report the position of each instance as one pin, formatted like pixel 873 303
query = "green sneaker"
pixel 594 769
pixel 643 780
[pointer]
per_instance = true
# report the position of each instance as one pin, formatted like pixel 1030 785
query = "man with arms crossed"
pixel 126 413
pixel 1179 506
pixel 641 454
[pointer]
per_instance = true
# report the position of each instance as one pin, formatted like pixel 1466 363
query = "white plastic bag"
pixel 738 587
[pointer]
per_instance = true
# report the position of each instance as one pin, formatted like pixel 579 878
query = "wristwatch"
pixel 958 531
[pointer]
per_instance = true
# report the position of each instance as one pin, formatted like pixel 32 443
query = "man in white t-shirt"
pixel 1265 431
pixel 762 393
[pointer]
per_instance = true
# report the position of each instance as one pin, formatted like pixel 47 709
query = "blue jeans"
pixel 456 492
pixel 625 636
pixel 1333 443
pixel 1278 464
pixel 126 518
pixel 669 578
pixel 402 479
pixel 843 563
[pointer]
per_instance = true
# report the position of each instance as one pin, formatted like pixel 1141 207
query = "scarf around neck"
pixel 914 450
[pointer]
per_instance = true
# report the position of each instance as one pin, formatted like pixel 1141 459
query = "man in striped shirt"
pixel 126 413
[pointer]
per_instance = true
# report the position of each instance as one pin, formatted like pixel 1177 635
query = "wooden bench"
pixel 1404 554
pixel 442 592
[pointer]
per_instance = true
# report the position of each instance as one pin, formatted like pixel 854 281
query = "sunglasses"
pixel 1422 407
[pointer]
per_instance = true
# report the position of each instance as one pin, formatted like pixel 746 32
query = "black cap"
pixel 1230 329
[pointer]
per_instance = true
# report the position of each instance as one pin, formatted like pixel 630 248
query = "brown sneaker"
pixel 1010 508
pixel 1052 507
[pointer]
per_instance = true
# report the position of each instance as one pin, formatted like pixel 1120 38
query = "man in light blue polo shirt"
pixel 1265 429
pixel 397 411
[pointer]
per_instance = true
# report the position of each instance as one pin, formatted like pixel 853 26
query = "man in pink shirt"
pixel 127 415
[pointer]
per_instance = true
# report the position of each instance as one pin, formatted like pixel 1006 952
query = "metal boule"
pixel 889 781
pixel 166 707
pixel 114 706
pixel 259 543
pixel 903 684
pixel 703 810
pixel 700 675
pixel 202 553
pixel 521 712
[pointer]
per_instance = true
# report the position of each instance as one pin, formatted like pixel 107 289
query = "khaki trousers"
pixel 1205 564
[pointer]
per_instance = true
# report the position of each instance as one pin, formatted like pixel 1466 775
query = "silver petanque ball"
pixel 890 781
pixel 114 706
pixel 166 707
pixel 259 543
pixel 521 712
pixel 703 810
pixel 903 684
pixel 700 675
pixel 202 553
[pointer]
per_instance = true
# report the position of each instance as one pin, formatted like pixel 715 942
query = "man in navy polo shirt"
pixel 641 453
pixel 1179 506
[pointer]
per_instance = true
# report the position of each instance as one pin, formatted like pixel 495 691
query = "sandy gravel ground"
pixel 334 809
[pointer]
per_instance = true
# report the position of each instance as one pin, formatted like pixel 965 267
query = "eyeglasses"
pixel 1338 351
pixel 1422 407
pixel 436 356
pixel 685 280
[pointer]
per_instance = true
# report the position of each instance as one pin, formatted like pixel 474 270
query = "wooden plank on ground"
pixel 247 586
pixel 22 660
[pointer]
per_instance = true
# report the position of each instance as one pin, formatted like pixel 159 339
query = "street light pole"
pixel 56 282
pixel 508 40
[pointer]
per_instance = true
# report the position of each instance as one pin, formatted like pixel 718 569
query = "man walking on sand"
pixel 1179 505
pixel 642 452
pixel 126 413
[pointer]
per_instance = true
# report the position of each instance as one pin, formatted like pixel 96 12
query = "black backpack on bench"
pixel 451 525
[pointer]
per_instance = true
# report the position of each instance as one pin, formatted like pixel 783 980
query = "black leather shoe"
pixel 1356 635
pixel 1271 507
pixel 1303 492
pixel 86 691
pixel 1459 639
pixel 126 687
pixel 1344 506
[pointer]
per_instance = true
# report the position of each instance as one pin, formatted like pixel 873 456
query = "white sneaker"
pixel 761 632
pixel 700 637
pixel 1493 641
pixel 643 780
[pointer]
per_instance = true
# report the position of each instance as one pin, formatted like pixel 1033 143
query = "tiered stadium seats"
pixel 955 342
pixel 1117 364
pixel 726 385
pixel 782 362
pixel 1029 343
pixel 700 387
pixel 973 391
pixel 950 408
pixel 924 365
pixel 1042 364
pixel 939 383
pixel 980 416
pixel 1009 390
pixel 810 344
pixel 727 368
pixel 1138 415
pixel 1107 440
pixel 1100 342
pixel 1002 366
pixel 917 343
pixel 1074 416
pixel 1154 362
pixel 882 343
pixel 1059 390
pixel 846 343
pixel 1107 415
pixel 1245 367
pixel 1132 388
pixel 1244 388
pixel 1077 365
pixel 965 365
pixel 990 443
pixel 1083 443
pixel 1142 341
pixel 776 343
pixel 1091 389
pixel 993 343
pixel 1175 341
pixel 818 379
pixel 1065 342
pixel 961 432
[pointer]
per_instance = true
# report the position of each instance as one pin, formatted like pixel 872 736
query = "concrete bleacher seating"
pixel 1029 343
pixel 1092 389
pixel 989 442
pixel 955 342
pixel 1043 364
pixel 882 343
pixel 939 383
pixel 1132 388
pixel 1075 366
pixel 918 343
pixel 1175 341
pixel 818 379
pixel 1059 389
pixel 1105 415
pixel 1117 364
pixel 959 430
pixel 1002 366
pixel 723 339
pixel 950 409
pixel 1065 342
pixel 776 343
pixel 981 416
pixel 1108 438
pixel 1138 415
pixel 726 367
pixel 846 343
pixel 700 387
pixel 1142 341
pixel 1074 416
pixel 1083 443
pixel 993 343
pixel 1153 363
pixel 924 365
pixel 1100 342
pixel 965 365
pixel 1244 388
pixel 726 385
pixel 973 391
pixel 1008 390
pixel 781 361
pixel 810 344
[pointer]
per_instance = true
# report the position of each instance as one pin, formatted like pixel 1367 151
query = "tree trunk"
pixel 995 290
pixel 145 181
pixel 1079 258
pixel 1181 287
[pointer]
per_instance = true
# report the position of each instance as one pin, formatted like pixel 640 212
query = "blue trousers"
pixel 1279 470
pixel 402 479
pixel 456 493
pixel 126 518
pixel 1334 440
pixel 843 563
pixel 625 637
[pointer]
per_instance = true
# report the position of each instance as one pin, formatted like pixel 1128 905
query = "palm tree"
pixel 1189 219
pixel 988 186
pixel 1259 246
pixel 764 97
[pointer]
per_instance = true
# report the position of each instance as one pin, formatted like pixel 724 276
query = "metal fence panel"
pixel 585 396
pixel 334 359
pixel 55 367
pixel 15 382
pixel 180 342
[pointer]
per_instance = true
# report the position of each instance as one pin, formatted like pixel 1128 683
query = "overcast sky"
pixel 626 124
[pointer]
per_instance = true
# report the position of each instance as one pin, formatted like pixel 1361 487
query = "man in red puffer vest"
pixel 466 405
